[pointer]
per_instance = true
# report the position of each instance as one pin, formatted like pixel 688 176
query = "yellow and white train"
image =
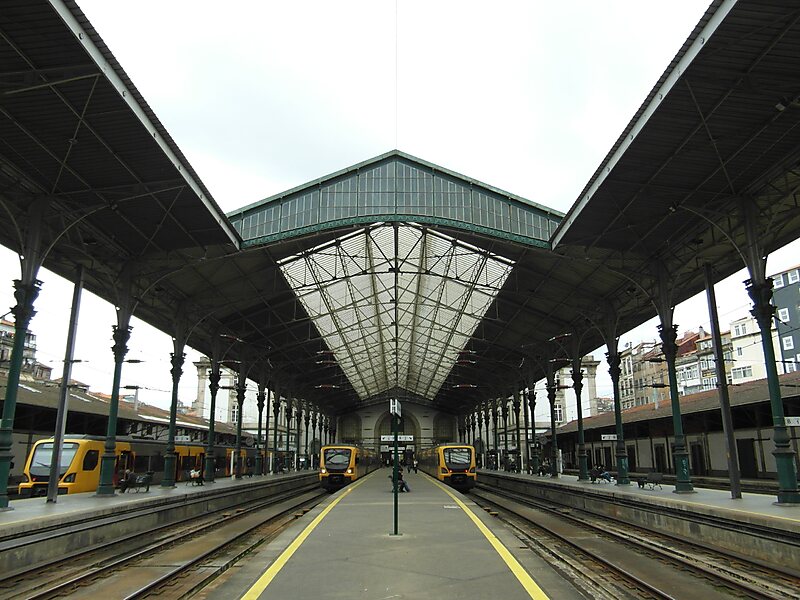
pixel 341 465
pixel 80 462
pixel 453 464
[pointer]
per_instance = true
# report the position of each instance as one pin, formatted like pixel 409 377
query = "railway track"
pixel 610 559
pixel 173 561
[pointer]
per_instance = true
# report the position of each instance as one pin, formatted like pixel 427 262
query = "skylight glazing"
pixel 396 305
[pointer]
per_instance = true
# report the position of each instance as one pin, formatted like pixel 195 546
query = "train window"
pixel 337 457
pixel 90 460
pixel 43 457
pixel 457 456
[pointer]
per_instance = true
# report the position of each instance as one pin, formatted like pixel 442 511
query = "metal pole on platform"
pixel 394 473
pixel 63 399
pixel 722 385
pixel 394 411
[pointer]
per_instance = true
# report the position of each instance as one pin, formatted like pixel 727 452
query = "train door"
pixel 631 458
pixel 698 459
pixel 607 458
pixel 747 458
pixel 661 458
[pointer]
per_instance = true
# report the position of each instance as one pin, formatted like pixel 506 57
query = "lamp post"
pixel 515 406
pixel 504 413
pixel 306 422
pixel 495 434
pixel 260 396
pixel 276 412
pixel 572 349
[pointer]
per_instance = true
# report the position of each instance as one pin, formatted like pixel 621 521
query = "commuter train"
pixel 341 465
pixel 81 456
pixel 453 464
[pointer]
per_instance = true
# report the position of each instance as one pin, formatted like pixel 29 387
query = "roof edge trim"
pixel 129 97
pixel 666 82
pixel 370 219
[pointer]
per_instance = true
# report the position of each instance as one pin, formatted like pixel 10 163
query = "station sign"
pixel 609 437
pixel 400 449
pixel 791 421
pixel 183 438
pixel 400 438
pixel 394 407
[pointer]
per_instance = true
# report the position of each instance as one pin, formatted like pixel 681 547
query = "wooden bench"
pixel 138 482
pixel 199 480
pixel 595 477
pixel 651 480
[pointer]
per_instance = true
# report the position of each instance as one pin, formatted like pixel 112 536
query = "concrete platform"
pixel 36 531
pixel 754 526
pixel 447 547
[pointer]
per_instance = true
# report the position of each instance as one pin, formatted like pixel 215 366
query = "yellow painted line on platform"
pixel 263 581
pixel 534 591
pixel 747 512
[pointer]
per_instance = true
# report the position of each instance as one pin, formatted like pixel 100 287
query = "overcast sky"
pixel 263 96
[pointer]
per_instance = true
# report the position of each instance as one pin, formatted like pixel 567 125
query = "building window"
pixel 787 342
pixel 235 412
pixel 793 276
pixel 783 315
pixel 739 351
pixel 777 281
pixel 741 372
pixel 740 329
pixel 790 365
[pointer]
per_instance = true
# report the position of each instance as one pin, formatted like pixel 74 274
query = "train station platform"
pixel 701 500
pixel 36 531
pixel 754 525
pixel 446 547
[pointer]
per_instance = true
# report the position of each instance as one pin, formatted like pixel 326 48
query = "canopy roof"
pixel 458 293
pixel 396 304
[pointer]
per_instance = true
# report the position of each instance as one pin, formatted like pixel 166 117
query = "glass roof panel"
pixel 396 305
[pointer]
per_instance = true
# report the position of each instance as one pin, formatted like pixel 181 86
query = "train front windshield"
pixel 43 457
pixel 337 459
pixel 458 458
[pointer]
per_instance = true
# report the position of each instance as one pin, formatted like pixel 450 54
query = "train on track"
pixel 81 456
pixel 341 465
pixel 453 464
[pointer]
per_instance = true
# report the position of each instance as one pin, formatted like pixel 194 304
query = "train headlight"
pixel 349 471
pixel 69 478
pixel 323 470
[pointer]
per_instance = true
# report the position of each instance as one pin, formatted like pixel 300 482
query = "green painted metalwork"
pixel 396 187
pixel 369 219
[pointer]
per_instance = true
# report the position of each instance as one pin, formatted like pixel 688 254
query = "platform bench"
pixel 651 481
pixel 138 483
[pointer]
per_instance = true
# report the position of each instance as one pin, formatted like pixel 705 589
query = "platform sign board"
pixel 400 438
pixel 609 437
pixel 394 407
pixel 387 448
pixel 792 421
pixel 182 438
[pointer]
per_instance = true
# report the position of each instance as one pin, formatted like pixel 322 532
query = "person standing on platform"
pixel 416 465
pixel 401 483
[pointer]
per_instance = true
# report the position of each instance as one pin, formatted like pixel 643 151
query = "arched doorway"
pixel 408 426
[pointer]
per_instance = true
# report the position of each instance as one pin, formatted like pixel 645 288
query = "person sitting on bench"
pixel 127 481
pixel 402 485
pixel 196 475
